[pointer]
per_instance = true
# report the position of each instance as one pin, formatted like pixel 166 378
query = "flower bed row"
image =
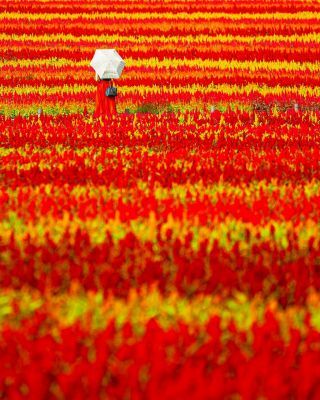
pixel 155 348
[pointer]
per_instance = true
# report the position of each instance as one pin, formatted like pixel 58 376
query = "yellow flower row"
pixel 95 311
pixel 227 232
pixel 201 38
pixel 249 192
pixel 193 89
pixel 154 62
pixel 96 16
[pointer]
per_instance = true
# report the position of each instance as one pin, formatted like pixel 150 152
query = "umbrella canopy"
pixel 107 63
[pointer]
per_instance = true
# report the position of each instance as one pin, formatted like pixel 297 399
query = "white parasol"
pixel 107 63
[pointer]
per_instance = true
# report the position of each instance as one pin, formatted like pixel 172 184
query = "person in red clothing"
pixel 105 106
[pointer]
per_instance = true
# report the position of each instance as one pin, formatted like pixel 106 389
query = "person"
pixel 105 105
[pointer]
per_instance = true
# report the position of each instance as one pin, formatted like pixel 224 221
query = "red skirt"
pixel 105 106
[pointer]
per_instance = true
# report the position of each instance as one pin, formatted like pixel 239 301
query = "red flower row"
pixel 171 263
pixel 162 364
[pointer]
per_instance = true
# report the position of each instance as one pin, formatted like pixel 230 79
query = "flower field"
pixel 173 251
